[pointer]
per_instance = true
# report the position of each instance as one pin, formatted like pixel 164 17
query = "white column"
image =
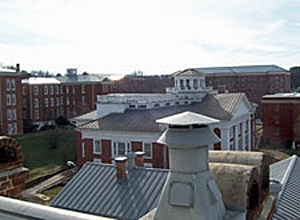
pixel 225 145
pixel 243 135
pixel 249 133
pixel 236 138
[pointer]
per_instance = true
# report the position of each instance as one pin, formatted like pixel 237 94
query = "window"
pixel 67 89
pixel 97 147
pixel 46 102
pixel 83 100
pixel 68 101
pixel 74 103
pixel 56 90
pixel 9 129
pixel 83 89
pixel 25 114
pixel 120 148
pixel 8 100
pixel 147 148
pixel 51 101
pixel 52 113
pixel 14 114
pixel 36 102
pixel 45 90
pixel 8 114
pixel 13 85
pixel 51 90
pixel 35 90
pixel 62 100
pixel 36 114
pixel 73 89
pixel 61 89
pixel 57 101
pixel 7 83
pixel 24 90
pixel 13 100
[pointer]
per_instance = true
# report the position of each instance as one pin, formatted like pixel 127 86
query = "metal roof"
pixel 82 78
pixel 288 201
pixel 41 80
pixel 241 69
pixel 220 106
pixel 187 118
pixel 96 190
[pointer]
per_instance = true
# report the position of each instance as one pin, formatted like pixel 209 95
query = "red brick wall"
pixel 12 181
pixel 136 146
pixel 106 151
pixel 157 155
pixel 278 123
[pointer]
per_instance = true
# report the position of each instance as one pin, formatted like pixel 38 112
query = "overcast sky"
pixel 155 36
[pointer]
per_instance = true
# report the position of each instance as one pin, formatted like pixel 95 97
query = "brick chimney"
pixel 140 159
pixel 121 167
pixel 190 191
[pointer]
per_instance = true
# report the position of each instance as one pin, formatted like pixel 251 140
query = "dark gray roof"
pixel 288 201
pixel 241 69
pixel 95 190
pixel 82 78
pixel 220 106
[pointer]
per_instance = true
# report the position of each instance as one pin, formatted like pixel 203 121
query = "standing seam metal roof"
pixel 288 202
pixel 221 107
pixel 95 190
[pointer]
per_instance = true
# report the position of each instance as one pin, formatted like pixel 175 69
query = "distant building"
pixel 281 119
pixel 126 122
pixel 46 98
pixel 254 81
pixel 11 116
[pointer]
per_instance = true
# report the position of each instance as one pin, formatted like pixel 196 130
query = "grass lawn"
pixel 47 151
pixel 51 193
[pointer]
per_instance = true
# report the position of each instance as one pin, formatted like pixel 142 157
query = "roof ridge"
pixel 287 174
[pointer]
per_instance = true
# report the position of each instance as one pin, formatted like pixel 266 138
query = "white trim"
pixel 148 165
pixel 97 160
pixel 83 149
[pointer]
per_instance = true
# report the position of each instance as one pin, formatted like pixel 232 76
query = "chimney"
pixel 131 160
pixel 190 191
pixel 121 167
pixel 17 68
pixel 139 160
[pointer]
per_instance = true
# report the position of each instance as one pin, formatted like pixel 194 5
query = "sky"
pixel 154 36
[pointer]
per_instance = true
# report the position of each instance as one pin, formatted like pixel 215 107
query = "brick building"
pixel 126 122
pixel 254 81
pixel 46 98
pixel 11 118
pixel 281 119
